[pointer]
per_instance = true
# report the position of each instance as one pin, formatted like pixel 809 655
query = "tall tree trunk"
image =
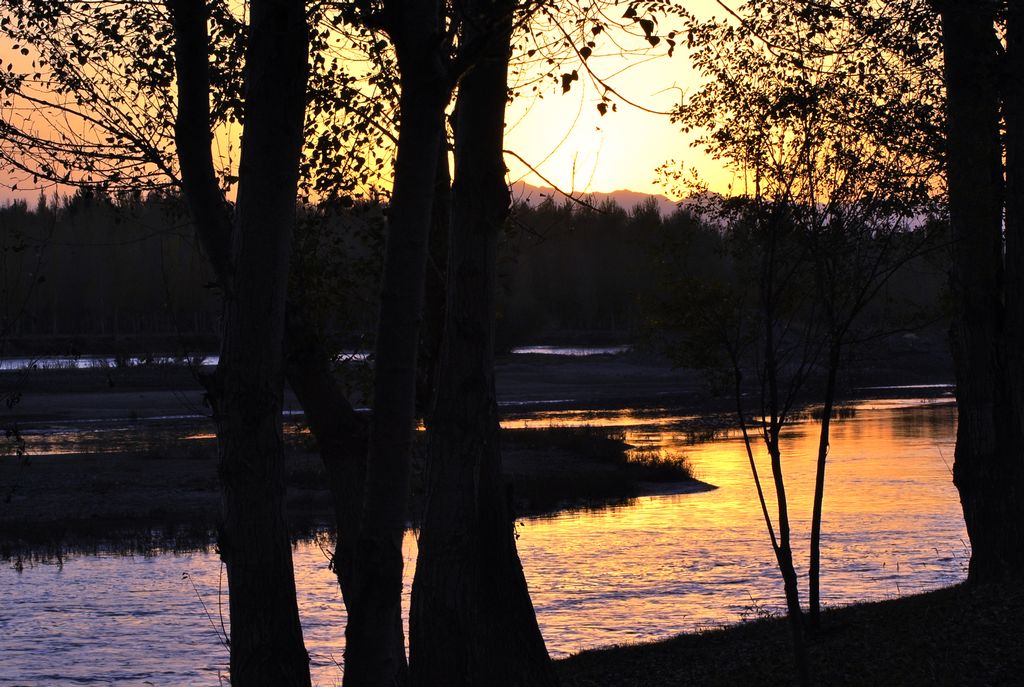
pixel 340 433
pixel 254 542
pixel 772 412
pixel 432 328
pixel 1013 349
pixel 814 567
pixel 989 461
pixel 472 621
pixel 372 654
pixel 784 557
pixel 210 213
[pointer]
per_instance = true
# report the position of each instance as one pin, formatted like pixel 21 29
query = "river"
pixel 655 567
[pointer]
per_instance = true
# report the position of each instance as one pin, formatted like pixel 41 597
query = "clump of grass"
pixel 650 465
pixel 839 412
pixel 589 467
pixel 704 435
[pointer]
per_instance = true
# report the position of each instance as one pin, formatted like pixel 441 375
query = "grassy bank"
pixel 559 468
pixel 954 636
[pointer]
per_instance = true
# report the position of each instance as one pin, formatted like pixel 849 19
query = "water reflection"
pixel 657 567
pixel 892 525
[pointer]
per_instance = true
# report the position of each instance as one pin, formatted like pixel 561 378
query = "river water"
pixel 655 567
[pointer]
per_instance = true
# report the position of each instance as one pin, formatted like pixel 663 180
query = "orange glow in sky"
pixel 575 148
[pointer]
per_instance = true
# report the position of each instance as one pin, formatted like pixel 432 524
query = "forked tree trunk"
pixel 340 433
pixel 472 621
pixel 989 462
pixel 254 542
pixel 784 558
pixel 374 651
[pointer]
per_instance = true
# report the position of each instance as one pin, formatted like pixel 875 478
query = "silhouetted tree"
pixel 987 278
pixel 328 411
pixel 247 388
pixel 820 133
pixel 373 656
pixel 472 621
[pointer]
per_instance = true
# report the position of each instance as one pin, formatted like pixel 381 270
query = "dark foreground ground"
pixel 954 636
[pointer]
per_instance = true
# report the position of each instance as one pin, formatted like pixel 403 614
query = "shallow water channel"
pixel 655 567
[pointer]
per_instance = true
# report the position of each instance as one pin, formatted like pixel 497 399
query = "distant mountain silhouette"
pixel 534 195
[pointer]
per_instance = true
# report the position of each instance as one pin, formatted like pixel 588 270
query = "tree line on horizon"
pixel 842 118
pixel 92 273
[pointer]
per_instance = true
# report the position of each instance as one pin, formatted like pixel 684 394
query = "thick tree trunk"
pixel 989 464
pixel 340 433
pixel 472 621
pixel 814 567
pixel 373 655
pixel 1013 349
pixel 266 637
pixel 1013 112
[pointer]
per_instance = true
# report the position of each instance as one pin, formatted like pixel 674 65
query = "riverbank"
pixel 124 456
pixel 121 387
pixel 164 494
pixel 954 636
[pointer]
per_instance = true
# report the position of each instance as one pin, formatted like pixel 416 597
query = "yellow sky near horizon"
pixel 576 149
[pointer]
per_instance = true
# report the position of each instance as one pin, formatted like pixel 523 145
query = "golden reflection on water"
pixel 651 417
pixel 656 567
pixel 668 564
pixel 892 525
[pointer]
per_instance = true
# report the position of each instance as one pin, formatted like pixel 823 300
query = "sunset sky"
pixel 577 149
